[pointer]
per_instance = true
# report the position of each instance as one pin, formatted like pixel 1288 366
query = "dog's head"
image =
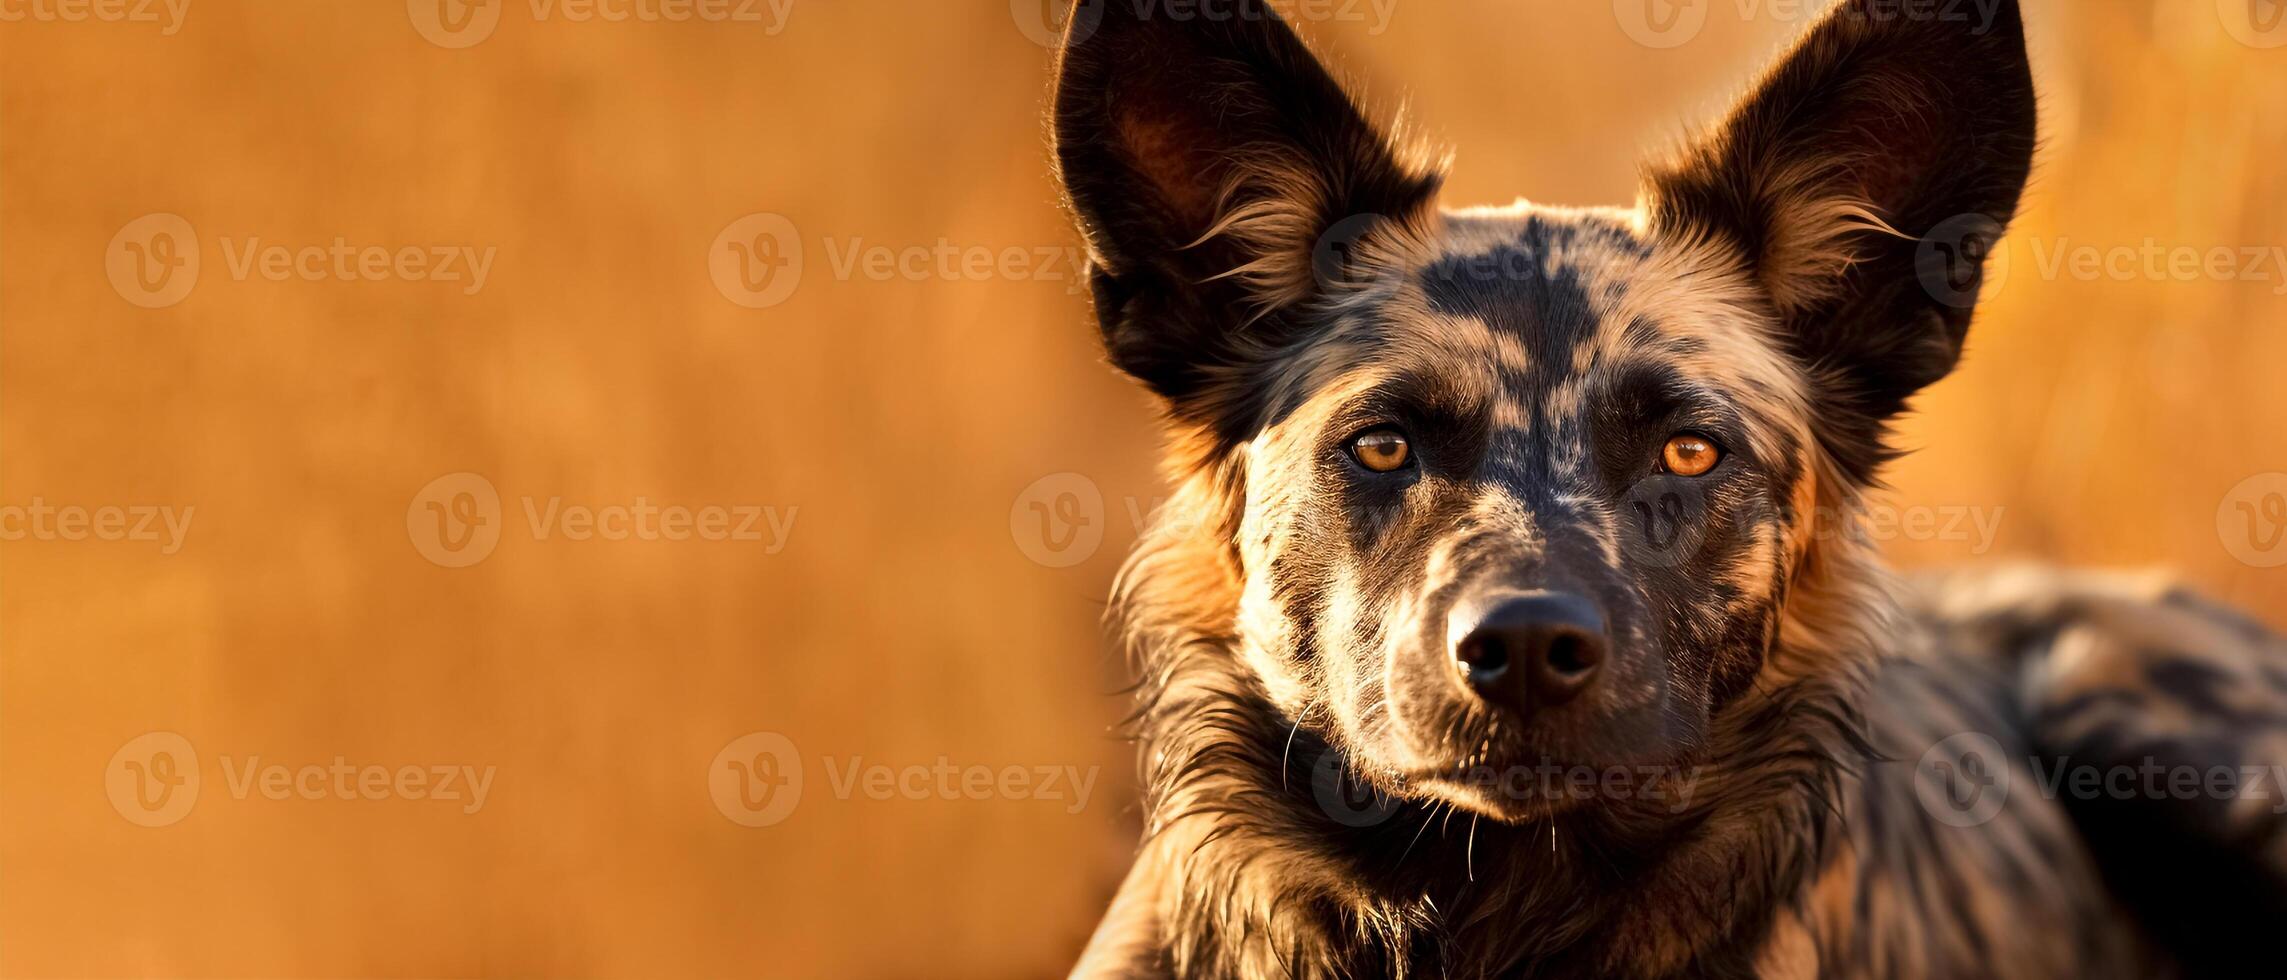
pixel 1529 487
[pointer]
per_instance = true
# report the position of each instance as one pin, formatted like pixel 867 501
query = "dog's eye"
pixel 1382 450
pixel 1689 455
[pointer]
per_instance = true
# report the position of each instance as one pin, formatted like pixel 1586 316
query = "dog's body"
pixel 1451 666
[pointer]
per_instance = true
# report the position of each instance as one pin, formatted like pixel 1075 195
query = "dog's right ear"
pixel 1207 159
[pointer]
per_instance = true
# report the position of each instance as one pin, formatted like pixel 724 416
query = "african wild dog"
pixel 1473 502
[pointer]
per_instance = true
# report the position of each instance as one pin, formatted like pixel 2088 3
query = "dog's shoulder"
pixel 2155 717
pixel 1946 865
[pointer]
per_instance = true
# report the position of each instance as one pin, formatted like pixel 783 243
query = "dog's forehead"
pixel 1500 306
pixel 1545 285
pixel 1522 313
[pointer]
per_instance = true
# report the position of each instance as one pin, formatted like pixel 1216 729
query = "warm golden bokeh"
pixel 907 606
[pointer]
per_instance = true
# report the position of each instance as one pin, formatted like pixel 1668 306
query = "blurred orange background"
pixel 940 474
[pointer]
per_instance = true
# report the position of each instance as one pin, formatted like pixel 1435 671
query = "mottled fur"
pixel 1325 798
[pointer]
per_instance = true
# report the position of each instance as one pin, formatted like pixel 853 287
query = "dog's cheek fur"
pixel 1317 619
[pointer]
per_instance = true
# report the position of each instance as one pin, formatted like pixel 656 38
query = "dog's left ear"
pixel 1864 179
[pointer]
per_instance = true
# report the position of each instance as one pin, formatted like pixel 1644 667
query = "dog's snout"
pixel 1531 651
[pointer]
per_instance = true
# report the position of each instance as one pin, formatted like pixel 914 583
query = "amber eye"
pixel 1382 450
pixel 1690 456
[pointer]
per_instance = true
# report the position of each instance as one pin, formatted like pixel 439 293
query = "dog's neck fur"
pixel 1257 876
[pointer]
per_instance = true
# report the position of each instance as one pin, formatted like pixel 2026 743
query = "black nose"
pixel 1536 650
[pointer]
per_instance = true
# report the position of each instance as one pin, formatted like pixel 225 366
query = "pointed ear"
pixel 1208 159
pixel 1865 179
